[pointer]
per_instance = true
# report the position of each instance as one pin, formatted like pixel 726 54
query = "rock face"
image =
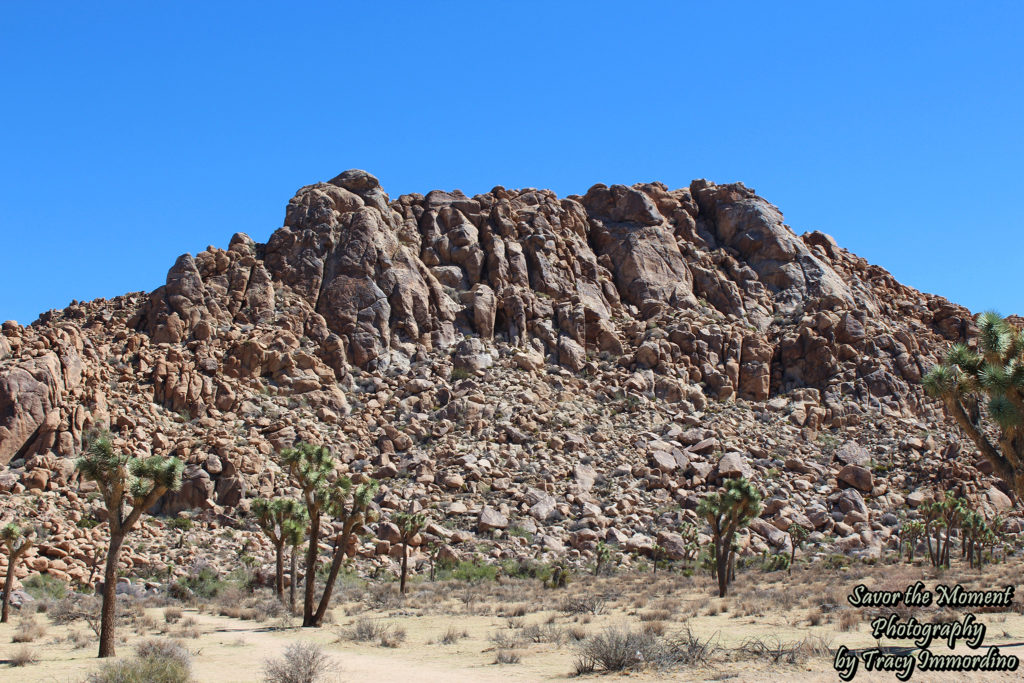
pixel 538 367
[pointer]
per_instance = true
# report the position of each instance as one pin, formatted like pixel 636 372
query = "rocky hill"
pixel 540 373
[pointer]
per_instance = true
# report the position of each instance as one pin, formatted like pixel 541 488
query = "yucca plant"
pixel 910 533
pixel 602 555
pixel 798 533
pixel 975 534
pixel 727 511
pixel 409 524
pixel 325 496
pixel 129 486
pixel 992 374
pixel 17 540
pixel 280 519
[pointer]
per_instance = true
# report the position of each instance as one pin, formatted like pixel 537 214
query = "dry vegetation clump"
pixel 519 610
pixel 615 649
pixel 848 620
pixel 24 656
pixel 508 657
pixel 78 639
pixel 172 614
pixel 622 649
pixel 29 630
pixel 302 662
pixel 583 604
pixel 453 635
pixel 366 630
pixel 535 633
pixel 155 661
pixel 776 651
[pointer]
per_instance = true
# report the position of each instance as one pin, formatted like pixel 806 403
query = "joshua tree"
pixel 294 534
pixel 602 555
pixel 409 524
pixel 123 481
pixel 691 548
pixel 976 534
pixel 324 496
pixel 910 534
pixel 17 541
pixel 280 519
pixel 727 511
pixel 994 373
pixel 657 555
pixel 941 518
pixel 797 535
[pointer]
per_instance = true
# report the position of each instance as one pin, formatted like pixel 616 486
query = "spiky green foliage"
pixel 727 511
pixel 284 521
pixel 16 540
pixel 798 533
pixel 409 524
pixel 602 556
pixel 126 480
pixel 326 494
pixel 129 486
pixel 993 376
pixel 910 533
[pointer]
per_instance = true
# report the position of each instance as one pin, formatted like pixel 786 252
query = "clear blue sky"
pixel 133 132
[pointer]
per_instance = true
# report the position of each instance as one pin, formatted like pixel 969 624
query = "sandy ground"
pixel 231 650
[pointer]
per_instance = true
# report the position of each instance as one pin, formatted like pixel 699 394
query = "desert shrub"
pixel 460 373
pixel 452 635
pixel 506 640
pixel 78 639
pixel 366 630
pixel 165 649
pixel 469 571
pixel 28 630
pixel 393 636
pixel 180 524
pixel 204 583
pixel 302 662
pixel 776 651
pixel 45 587
pixel 578 633
pixel 24 656
pixel 172 615
pixel 654 627
pixel 848 620
pixel 507 657
pixel 548 633
pixel 156 669
pixel 655 615
pixel 583 604
pixel 616 649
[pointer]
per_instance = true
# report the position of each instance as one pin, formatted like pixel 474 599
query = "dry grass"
pixel 24 656
pixel 29 630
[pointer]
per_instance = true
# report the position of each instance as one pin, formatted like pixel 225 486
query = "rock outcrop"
pixel 561 366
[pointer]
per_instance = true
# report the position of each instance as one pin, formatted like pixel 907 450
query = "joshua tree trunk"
pixel 405 564
pixel 8 582
pixel 293 580
pixel 311 557
pixel 279 571
pixel 340 544
pixel 109 609
pixel 722 566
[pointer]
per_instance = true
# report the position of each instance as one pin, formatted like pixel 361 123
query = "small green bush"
pixel 180 524
pixel 45 587
pixel 470 571
pixel 156 661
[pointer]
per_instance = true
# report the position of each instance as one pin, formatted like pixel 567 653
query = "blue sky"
pixel 133 132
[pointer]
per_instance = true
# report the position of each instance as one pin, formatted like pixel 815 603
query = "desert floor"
pixel 798 620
